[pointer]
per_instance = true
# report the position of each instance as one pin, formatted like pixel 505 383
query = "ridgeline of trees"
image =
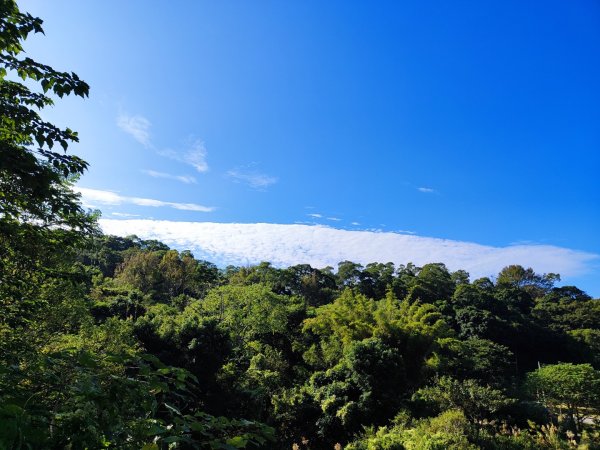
pixel 109 342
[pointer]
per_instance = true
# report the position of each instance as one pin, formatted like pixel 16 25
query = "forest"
pixel 125 343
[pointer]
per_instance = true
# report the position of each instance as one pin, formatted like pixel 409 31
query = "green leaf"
pixel 150 446
pixel 237 442
pixel 11 409
pixel 87 360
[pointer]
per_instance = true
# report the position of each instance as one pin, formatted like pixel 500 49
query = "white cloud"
pixel 355 223
pixel 315 215
pixel 321 246
pixel 182 178
pixel 91 198
pixel 137 126
pixel 253 179
pixel 426 190
pixel 194 155
pixel 334 219
pixel 125 215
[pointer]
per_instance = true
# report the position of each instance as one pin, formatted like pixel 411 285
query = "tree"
pixel 485 361
pixel 248 312
pixel 356 391
pixel 587 342
pixel 567 309
pixel 448 431
pixel 40 216
pixel 376 278
pixel 316 286
pixel 336 325
pixel 140 270
pixel 349 273
pixel 33 178
pixel 572 389
pixel 476 401
pixel 535 284
pixel 432 283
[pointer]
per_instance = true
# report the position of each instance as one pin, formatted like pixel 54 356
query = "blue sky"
pixel 473 122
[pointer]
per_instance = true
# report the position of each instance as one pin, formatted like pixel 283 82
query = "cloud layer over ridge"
pixel 320 246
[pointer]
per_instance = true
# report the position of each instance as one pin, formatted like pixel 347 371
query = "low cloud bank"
pixel 321 246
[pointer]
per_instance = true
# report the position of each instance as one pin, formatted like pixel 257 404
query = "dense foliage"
pixel 148 344
pixel 111 342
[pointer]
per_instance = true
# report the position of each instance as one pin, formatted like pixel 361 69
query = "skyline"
pixel 324 246
pixel 472 124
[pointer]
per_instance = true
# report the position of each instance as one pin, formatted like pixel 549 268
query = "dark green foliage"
pixel 566 309
pixel 318 287
pixel 527 280
pixel 356 391
pixel 586 343
pixel 433 283
pixel 485 361
pixel 476 401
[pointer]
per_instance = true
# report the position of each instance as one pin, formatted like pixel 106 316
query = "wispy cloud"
pixel 320 216
pixel 355 223
pixel 91 198
pixel 321 246
pixel 137 126
pixel 406 232
pixel 252 178
pixel 182 178
pixel 194 155
pixel 124 215
pixel 426 190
